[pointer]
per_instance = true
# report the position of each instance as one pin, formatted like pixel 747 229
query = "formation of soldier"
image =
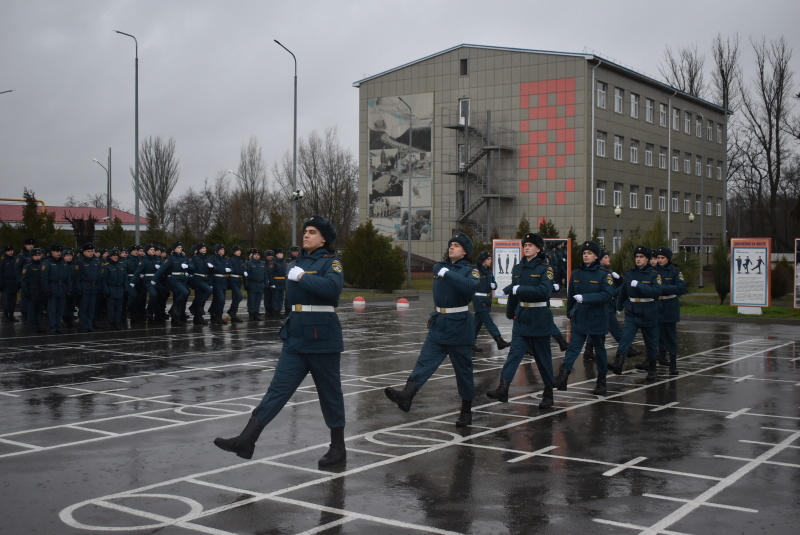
pixel 135 284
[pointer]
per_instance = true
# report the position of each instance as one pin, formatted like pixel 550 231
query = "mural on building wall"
pixel 400 165
pixel 550 129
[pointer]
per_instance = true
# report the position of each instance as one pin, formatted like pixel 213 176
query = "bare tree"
pixel 158 174
pixel 92 200
pixel 249 201
pixel 684 69
pixel 727 72
pixel 328 175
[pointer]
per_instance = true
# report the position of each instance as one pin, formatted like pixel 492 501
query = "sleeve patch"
pixel 550 275
pixel 337 266
pixel 658 279
pixel 680 275
pixel 609 280
pixel 475 274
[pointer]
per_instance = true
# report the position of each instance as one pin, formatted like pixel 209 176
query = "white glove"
pixel 443 271
pixel 295 273
pixel 619 313
pixel 133 285
pixel 493 285
pixel 514 289
pixel 272 286
pixel 228 270
pixel 634 283
pixel 614 274
pixel 209 264
pixel 158 266
pixel 245 273
pixel 153 283
pixel 556 287
pixel 141 275
pixel 579 298
pixel 185 266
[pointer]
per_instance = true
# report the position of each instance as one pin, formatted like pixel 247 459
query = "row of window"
pixel 649 113
pixel 633 152
pixel 633 199
pixel 617 239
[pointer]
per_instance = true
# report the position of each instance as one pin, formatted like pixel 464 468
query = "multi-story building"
pixel 482 136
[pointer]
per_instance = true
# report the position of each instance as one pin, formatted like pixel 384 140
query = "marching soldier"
pixel 10 285
pixel 150 263
pixel 294 252
pixel 669 308
pixel 32 282
pixel 202 271
pixel 277 283
pixel 87 272
pixel 235 283
pixel 482 302
pixel 222 270
pixel 113 280
pixel 255 278
pixel 174 271
pixel 269 256
pixel 450 330
pixel 21 259
pixel 57 275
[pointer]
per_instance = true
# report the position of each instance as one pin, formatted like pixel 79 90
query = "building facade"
pixel 479 137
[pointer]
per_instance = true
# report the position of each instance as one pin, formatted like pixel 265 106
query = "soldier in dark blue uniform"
pixel 9 284
pixel 482 301
pixel 32 282
pixel 202 270
pixel 148 265
pixel 277 283
pixel 312 342
pixel 639 298
pixel 235 283
pixel 528 305
pixel 269 256
pixel 113 282
pixel 294 252
pixel 669 308
pixel 21 259
pixel 451 331
pixel 57 282
pixel 68 260
pixel 255 279
pixel 174 271
pixel 222 269
pixel 87 272
pixel 588 294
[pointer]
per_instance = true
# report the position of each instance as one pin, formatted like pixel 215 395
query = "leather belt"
pixel 673 296
pixel 237 276
pixel 312 308
pixel 200 275
pixel 481 295
pixel 536 304
pixel 218 275
pixel 451 310
pixel 640 299
pixel 178 273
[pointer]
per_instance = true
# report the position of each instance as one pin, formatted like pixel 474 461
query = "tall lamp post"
pixel 691 221
pixel 136 148
pixel 294 151
pixel 108 186
pixel 408 186
pixel 617 212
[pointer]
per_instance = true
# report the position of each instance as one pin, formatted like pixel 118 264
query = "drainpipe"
pixel 669 165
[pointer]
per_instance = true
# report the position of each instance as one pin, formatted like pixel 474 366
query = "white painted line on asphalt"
pixel 84 392
pixel 30 447
pixel 665 406
pixel 532 454
pixel 765 443
pixel 743 378
pixel 747 459
pixel 708 504
pixel 737 413
pixel 91 430
pixel 620 468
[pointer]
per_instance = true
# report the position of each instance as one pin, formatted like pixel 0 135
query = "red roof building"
pixel 12 214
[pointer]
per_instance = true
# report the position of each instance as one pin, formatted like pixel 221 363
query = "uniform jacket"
pixel 220 262
pixel 57 278
pixel 535 278
pixel 32 278
pixel 173 268
pixel 198 265
pixel 8 277
pixel 648 287
pixel 256 277
pixel 596 286
pixel 669 310
pixel 485 282
pixel 237 268
pixel 455 289
pixel 113 279
pixel 315 332
pixel 277 273
pixel 19 262
pixel 87 275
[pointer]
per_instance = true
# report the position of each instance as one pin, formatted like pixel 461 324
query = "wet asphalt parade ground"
pixel 111 432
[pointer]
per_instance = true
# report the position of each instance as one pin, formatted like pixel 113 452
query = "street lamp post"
pixel 136 148
pixel 617 212
pixel 408 187
pixel 294 151
pixel 691 221
pixel 108 187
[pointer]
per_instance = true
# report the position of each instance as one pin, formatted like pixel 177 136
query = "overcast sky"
pixel 210 75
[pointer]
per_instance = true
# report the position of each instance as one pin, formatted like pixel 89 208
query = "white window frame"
pixel 676 160
pixel 634 105
pixel 698 204
pixel 676 119
pixel 634 151
pixel 601 143
pixel 602 89
pixel 648 198
pixel 633 197
pixel 687 123
pixel 619 100
pixel 687 163
pixel 719 208
pixel 709 166
pixel 662 158
pixel 719 171
pixel 710 130
pixel 699 127
pixel 600 193
pixel 708 206
pixel 648 154
pixel 649 110
pixel 618 141
pixel 662 201
pixel 674 241
pixel 719 133
pixel 662 114
pixel 698 166
pixel 617 194
pixel 674 202
pixel 687 203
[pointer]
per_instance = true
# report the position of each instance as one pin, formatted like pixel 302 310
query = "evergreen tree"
pixel 370 260
pixel 547 229
pixel 274 234
pixel 220 233
pixel 154 233
pixel 721 270
pixel 36 224
pixel 523 228
pixel 115 235
pixel 576 248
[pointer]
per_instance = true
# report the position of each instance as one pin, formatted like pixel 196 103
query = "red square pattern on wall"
pixel 534 97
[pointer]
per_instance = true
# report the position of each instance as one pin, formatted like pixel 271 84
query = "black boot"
pixel 336 451
pixel 547 398
pixel 199 320
pixel 402 398
pixel 235 318
pixel 652 373
pixel 617 365
pixel 476 349
pixel 633 352
pixel 600 387
pixel 644 365
pixel 662 357
pixel 245 443
pixel 501 344
pixel 561 380
pixel 673 364
pixel 562 342
pixel 465 416
pixel 216 320
pixel 588 353
pixel 501 392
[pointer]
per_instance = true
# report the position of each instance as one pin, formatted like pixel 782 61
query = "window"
pixel 697 204
pixel 601 143
pixel 687 203
pixel 676 119
pixel 634 151
pixel 699 127
pixel 617 240
pixel 708 205
pixel 719 170
pixel 648 155
pixel 619 99
pixel 662 200
pixel 687 163
pixel 709 166
pixel 648 110
pixel 687 123
pixel 462 156
pixel 464 70
pixel 463 111
pixel 634 105
pixel 662 158
pixel 634 197
pixel 674 241
pixel 719 133
pixel 675 195
pixel 602 88
pixel 676 158
pixel 617 194
pixel 601 193
pixel 648 198
pixel 710 130
pixel 698 166
pixel 601 237
pixel 662 114
pixel 617 147
pixel 719 207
